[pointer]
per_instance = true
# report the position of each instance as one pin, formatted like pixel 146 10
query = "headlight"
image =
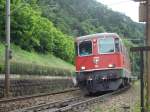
pixel 83 68
pixel 111 66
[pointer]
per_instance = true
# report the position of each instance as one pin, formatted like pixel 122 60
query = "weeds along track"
pixel 10 104
pixel 70 105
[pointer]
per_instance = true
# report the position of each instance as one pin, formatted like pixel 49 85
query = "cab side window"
pixel 117 47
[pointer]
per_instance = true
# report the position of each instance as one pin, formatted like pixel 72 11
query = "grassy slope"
pixel 22 56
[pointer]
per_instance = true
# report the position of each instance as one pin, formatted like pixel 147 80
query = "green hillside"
pixel 40 61
pixel 82 17
pixel 23 56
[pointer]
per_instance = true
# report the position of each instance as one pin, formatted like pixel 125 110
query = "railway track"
pixel 53 106
pixel 35 96
pixel 69 104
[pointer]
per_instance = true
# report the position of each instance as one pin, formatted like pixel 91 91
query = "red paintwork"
pixel 105 60
pixel 116 58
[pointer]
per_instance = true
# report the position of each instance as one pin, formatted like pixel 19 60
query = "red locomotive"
pixel 102 62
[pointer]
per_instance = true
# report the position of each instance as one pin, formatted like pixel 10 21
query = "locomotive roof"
pixel 97 35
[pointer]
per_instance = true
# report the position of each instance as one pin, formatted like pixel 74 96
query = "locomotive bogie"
pixel 104 80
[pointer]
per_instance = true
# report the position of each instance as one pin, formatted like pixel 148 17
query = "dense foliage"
pixel 81 17
pixel 31 31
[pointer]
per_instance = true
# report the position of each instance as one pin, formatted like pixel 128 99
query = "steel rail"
pixel 69 104
pixel 51 105
pixel 90 101
pixel 35 96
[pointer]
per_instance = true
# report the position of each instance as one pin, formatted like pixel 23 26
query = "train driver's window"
pixel 85 48
pixel 106 45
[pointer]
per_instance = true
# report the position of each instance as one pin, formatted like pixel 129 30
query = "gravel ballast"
pixel 118 103
pixel 7 107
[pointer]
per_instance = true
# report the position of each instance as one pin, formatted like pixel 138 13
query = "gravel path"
pixel 116 103
pixel 7 107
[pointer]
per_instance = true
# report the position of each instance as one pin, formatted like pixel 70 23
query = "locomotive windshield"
pixel 106 45
pixel 85 48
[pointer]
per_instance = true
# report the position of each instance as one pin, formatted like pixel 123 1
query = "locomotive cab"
pixel 102 63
